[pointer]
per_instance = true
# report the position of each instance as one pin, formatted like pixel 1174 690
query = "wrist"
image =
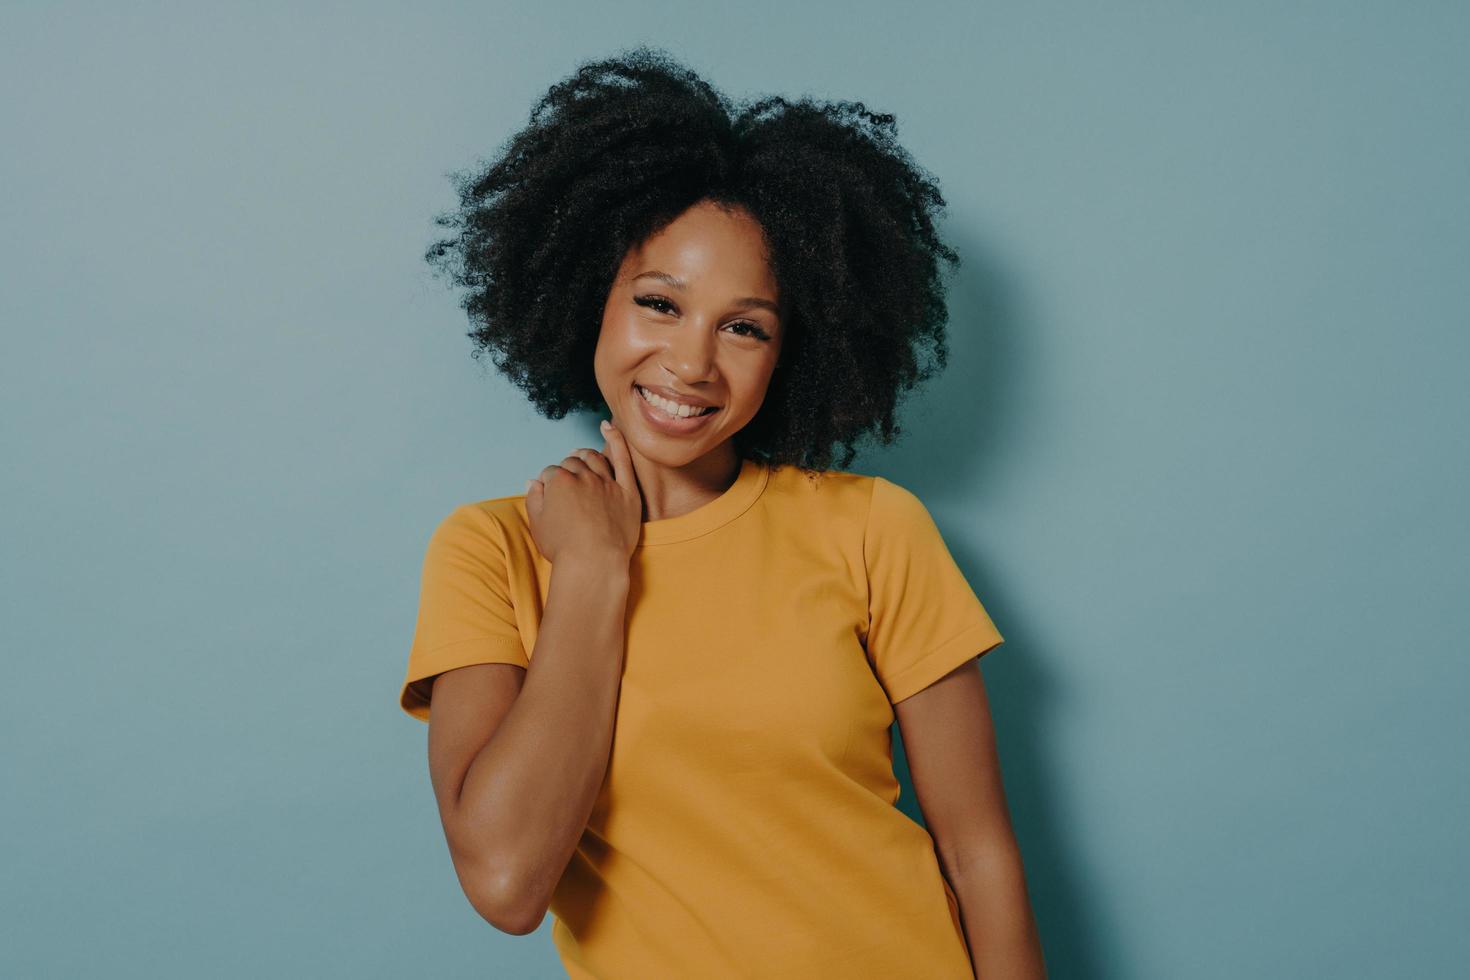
pixel 593 566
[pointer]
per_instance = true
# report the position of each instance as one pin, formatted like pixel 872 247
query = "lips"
pixel 686 401
pixel 693 401
pixel 670 425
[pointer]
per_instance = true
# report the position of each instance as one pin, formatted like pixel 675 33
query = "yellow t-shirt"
pixel 746 826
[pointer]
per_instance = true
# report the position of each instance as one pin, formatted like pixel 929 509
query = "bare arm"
pixel 518 757
pixel 514 818
pixel 949 738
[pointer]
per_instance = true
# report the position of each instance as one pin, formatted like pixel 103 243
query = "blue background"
pixel 1201 450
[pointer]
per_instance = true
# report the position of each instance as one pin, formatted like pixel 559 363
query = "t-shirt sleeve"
pixel 465 613
pixel 924 620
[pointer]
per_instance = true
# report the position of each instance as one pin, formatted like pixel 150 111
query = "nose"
pixel 690 355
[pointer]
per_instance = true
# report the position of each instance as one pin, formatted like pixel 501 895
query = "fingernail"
pixel 528 485
pixel 605 425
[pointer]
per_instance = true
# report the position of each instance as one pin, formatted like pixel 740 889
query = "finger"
pixel 618 455
pixel 574 464
pixel 596 462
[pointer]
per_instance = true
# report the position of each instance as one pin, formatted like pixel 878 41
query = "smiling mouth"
pixel 664 405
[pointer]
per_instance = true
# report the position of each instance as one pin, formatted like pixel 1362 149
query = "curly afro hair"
pixel 623 146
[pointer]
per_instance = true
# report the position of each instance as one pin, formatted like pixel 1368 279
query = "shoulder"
pixel 867 498
pixel 505 511
pixel 899 525
pixel 494 522
pixel 821 496
pixel 894 503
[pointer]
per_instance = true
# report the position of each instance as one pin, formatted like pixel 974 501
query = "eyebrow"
pixel 676 283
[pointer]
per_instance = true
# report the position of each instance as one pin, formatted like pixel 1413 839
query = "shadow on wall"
pixel 956 435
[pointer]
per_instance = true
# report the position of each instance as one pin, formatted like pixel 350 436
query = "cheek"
pixel 622 337
pixel 613 346
pixel 752 390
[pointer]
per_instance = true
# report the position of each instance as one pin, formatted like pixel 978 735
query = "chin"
pixel 673 455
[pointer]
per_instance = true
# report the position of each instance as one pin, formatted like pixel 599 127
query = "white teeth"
pixel 669 407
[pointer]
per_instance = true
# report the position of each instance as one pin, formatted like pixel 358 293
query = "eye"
pixel 662 305
pixel 653 301
pixel 755 329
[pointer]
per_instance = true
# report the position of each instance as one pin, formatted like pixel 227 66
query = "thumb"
pixel 617 453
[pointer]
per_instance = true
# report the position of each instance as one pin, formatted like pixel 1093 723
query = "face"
pixel 692 316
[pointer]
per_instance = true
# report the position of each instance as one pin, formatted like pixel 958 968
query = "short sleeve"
pixel 924 620
pixel 465 613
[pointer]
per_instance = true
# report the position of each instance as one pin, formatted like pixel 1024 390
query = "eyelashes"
pixel 654 302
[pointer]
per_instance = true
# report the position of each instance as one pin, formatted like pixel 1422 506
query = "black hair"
pixel 617 150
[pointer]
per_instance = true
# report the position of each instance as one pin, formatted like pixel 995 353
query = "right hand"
pixel 588 505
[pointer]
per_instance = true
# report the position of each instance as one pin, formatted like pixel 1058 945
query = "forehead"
pixel 708 249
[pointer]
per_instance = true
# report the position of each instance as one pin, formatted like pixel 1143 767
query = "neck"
pixel 672 491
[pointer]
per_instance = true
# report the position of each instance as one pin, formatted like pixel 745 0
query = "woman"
pixel 663 679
